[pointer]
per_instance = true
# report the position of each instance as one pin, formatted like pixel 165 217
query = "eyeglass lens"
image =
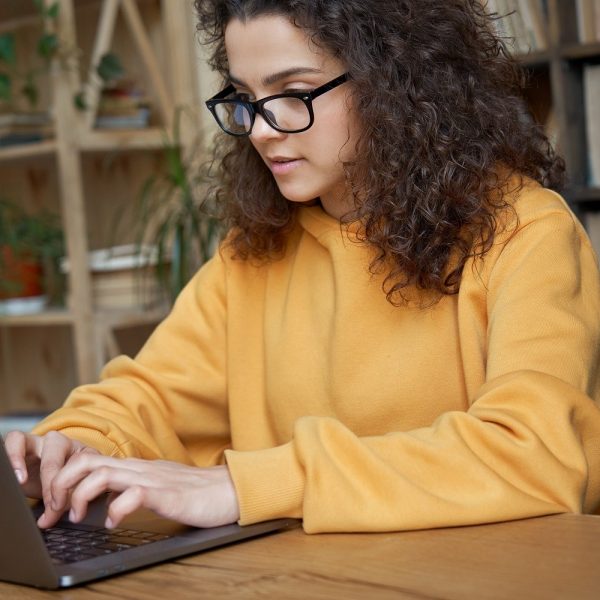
pixel 286 114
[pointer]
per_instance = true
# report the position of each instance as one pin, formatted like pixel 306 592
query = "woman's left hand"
pixel 201 497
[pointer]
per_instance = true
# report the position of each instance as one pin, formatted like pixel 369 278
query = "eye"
pixel 242 96
pixel 296 90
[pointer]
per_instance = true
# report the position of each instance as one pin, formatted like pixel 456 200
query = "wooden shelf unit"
pixel 65 174
pixel 71 159
pixel 563 64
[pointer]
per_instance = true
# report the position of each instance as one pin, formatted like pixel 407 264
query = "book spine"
pixel 586 21
pixel 504 24
pixel 533 17
pixel 591 82
pixel 522 45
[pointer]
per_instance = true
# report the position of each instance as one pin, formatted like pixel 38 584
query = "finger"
pixel 18 445
pixel 103 479
pixel 61 485
pixel 59 494
pixel 80 465
pixel 54 452
pixel 129 501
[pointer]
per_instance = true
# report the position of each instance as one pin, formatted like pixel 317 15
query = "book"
pixel 504 25
pixel 522 42
pixel 24 119
pixel 591 90
pixel 535 23
pixel 138 120
pixel 592 225
pixel 24 128
pixel 123 106
pixel 586 20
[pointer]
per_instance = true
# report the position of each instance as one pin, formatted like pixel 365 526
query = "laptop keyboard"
pixel 72 543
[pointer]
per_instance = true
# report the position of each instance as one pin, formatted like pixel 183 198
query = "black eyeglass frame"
pixel 256 107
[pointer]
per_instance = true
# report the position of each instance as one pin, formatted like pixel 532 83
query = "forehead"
pixel 271 43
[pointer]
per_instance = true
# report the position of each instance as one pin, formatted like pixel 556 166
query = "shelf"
pixel 95 141
pixel 127 139
pixel 113 318
pixel 26 151
pixel 580 51
pixel 584 195
pixel 131 317
pixel 47 317
pixel 536 58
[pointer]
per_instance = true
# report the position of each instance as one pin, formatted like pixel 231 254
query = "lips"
pixel 281 165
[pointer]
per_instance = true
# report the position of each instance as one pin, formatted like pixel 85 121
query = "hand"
pixel 36 461
pixel 201 497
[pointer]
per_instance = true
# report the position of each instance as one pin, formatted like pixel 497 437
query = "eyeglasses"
pixel 291 112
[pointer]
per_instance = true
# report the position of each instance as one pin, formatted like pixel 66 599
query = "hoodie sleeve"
pixel 528 445
pixel 170 402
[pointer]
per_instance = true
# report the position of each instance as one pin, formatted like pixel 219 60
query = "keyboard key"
pixel 70 544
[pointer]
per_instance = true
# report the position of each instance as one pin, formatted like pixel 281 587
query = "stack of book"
pixel 123 107
pixel 588 21
pixel 123 277
pixel 524 21
pixel 24 127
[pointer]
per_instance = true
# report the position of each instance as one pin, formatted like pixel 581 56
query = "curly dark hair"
pixel 444 130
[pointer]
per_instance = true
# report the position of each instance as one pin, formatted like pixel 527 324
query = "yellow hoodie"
pixel 330 404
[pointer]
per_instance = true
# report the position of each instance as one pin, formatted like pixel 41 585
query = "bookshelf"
pixel 87 175
pixel 558 92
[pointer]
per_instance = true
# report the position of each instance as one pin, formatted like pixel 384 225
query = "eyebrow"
pixel 275 77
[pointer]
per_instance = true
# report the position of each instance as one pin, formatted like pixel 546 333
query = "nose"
pixel 262 131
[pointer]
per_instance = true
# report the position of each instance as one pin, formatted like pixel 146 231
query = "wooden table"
pixel 545 558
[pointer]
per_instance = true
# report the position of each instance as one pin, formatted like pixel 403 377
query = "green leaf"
pixel 48 45
pixel 30 90
pixel 5 87
pixel 110 68
pixel 53 11
pixel 80 101
pixel 7 49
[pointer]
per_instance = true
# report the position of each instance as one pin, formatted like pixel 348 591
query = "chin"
pixel 299 198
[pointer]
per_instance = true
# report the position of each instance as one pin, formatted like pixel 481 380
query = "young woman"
pixel 402 327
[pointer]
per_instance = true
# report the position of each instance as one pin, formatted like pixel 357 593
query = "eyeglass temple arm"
pixel 329 86
pixel 223 93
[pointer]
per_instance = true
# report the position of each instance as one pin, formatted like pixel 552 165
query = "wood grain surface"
pixel 545 558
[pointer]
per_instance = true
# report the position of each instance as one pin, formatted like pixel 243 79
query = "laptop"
pixel 70 554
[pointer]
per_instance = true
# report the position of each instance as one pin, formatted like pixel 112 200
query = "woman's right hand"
pixel 36 461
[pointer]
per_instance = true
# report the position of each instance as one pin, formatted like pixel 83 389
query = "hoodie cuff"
pixel 269 483
pixel 90 437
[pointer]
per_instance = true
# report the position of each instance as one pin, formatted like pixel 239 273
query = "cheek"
pixel 337 133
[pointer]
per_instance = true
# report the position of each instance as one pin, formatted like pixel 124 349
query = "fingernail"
pixel 20 475
pixel 108 523
pixel 72 516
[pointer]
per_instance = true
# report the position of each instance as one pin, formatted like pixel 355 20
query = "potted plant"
pixel 174 217
pixel 30 248
pixel 20 121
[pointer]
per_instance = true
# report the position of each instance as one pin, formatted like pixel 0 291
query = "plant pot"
pixel 21 276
